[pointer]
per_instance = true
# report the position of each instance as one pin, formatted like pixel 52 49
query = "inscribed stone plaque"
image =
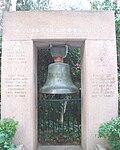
pixel 16 69
pixel 59 25
pixel 103 81
pixel 99 89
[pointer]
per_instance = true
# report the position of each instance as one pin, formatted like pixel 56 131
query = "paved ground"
pixel 71 147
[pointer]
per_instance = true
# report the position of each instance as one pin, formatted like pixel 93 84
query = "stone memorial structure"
pixel 24 33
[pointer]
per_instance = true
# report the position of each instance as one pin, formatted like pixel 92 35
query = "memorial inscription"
pixel 16 86
pixel 102 85
pixel 16 79
pixel 48 30
pixel 16 55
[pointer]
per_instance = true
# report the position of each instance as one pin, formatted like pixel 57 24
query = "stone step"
pixel 61 147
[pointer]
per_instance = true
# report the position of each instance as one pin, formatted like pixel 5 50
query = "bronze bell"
pixel 59 80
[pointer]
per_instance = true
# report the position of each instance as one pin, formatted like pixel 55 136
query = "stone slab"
pixel 61 147
pixel 27 25
pixel 20 147
pixel 18 98
pixel 99 147
pixel 99 89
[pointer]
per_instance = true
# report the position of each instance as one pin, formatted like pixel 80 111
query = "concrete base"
pixel 61 147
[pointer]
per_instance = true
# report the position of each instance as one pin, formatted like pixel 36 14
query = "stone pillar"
pixel 99 88
pixel 1 14
pixel 19 90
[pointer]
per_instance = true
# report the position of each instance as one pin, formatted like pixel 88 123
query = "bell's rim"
pixel 59 90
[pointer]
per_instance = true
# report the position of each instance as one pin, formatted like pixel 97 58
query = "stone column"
pixel 1 13
pixel 19 90
pixel 99 88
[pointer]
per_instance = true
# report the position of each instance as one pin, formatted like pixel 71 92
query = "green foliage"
pixel 7 132
pixel 111 132
pixel 119 92
pixel 56 127
pixel 105 5
pixel 73 59
pixel 26 5
pixel 67 135
pixel 119 103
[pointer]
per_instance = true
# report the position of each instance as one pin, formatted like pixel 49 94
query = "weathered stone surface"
pixel 99 88
pixel 62 147
pixel 99 147
pixel 19 90
pixel 20 147
pixel 59 25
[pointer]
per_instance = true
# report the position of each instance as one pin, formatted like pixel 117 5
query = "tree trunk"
pixel 63 112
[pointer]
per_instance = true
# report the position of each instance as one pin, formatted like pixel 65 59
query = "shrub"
pixel 7 132
pixel 111 131
pixel 119 104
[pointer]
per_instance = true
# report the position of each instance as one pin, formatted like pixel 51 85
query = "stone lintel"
pixel 58 25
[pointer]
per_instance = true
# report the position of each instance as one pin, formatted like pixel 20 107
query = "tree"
pixel 23 5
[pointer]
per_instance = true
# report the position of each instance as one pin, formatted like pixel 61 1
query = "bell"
pixel 59 80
